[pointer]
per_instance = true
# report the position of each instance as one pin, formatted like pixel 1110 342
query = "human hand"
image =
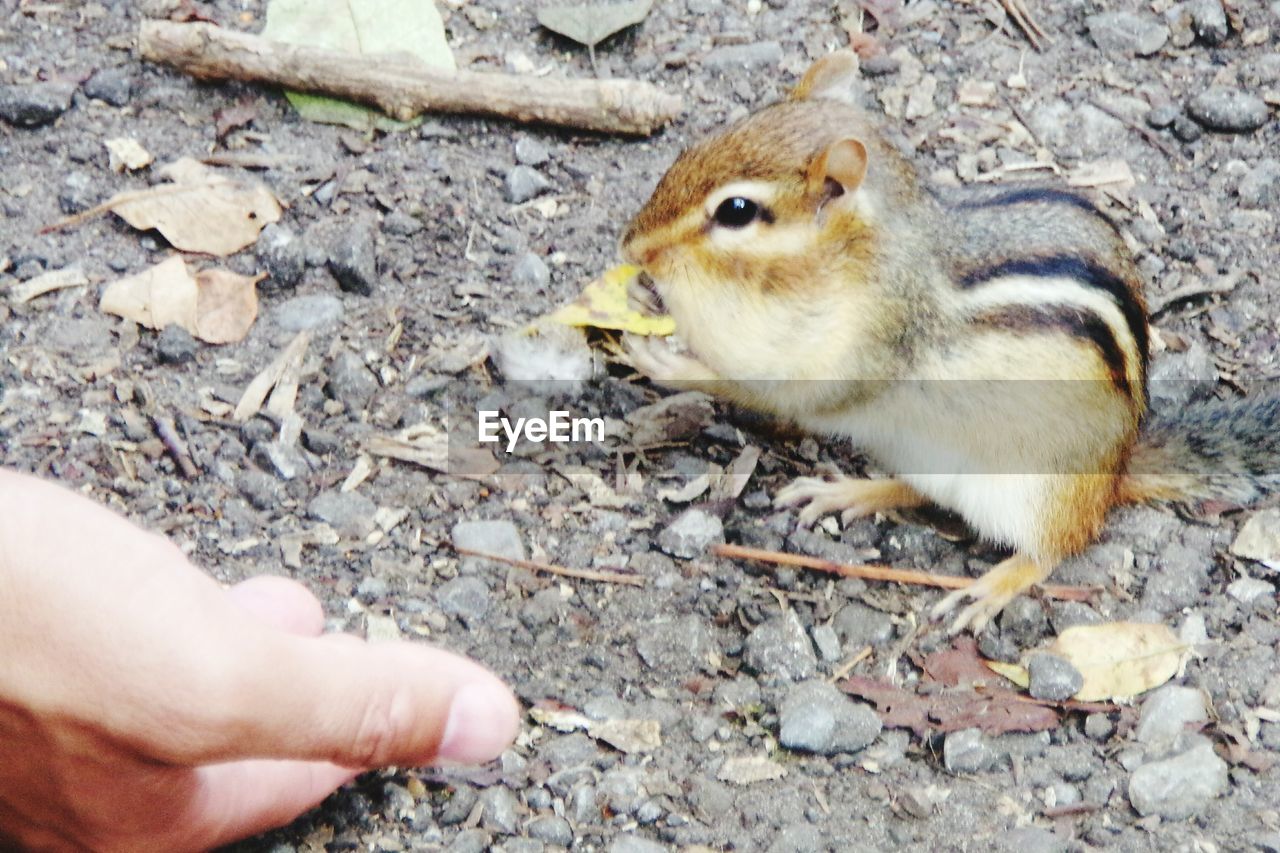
pixel 142 706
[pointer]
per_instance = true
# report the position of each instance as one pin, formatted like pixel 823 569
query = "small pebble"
pixel 500 809
pixel 524 183
pixel 530 273
pixel 466 597
pixel 551 829
pixel 634 844
pixel 968 751
pixel 1186 130
pixel 353 260
pixel 1053 678
pixel 1168 711
pixel 816 717
pixel 1260 187
pixel 498 537
pixel 1126 33
pixel 1209 21
pixel 676 645
pixel 349 513
pixel 351 381
pixel 175 345
pixel 1250 590
pixel 400 224
pixel 1163 116
pixel 1179 787
pixel 692 532
pixel 313 311
pixel 780 648
pixel 1228 110
pixel 530 152
pixel 1098 727
pixel 111 85
pixel 827 642
pixel 34 104
pixel 282 255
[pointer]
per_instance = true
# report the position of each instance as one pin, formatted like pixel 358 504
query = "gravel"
pixel 524 183
pixel 34 104
pixel 1053 678
pixel 352 258
pixel 780 650
pixel 1179 787
pixel 1228 110
pixel 816 717
pixel 1127 33
pixel 692 532
pixel 530 273
pixel 349 513
pixel 306 313
pixel 968 751
pixel 1168 711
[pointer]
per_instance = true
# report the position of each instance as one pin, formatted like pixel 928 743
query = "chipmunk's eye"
pixel 736 212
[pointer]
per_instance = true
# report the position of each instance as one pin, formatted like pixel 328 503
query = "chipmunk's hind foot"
pixel 991 593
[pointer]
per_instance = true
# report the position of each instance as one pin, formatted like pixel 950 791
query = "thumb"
pixel 362 705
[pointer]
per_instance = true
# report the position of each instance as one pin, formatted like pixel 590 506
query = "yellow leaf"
pixel 1119 660
pixel 1015 672
pixel 603 305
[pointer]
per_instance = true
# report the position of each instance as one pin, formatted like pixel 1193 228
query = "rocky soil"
pixel 409 256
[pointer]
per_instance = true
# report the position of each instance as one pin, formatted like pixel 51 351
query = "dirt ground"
pixel 710 649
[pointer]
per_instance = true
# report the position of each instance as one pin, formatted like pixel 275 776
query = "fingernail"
pixel 482 723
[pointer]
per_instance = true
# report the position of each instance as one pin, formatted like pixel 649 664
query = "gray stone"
pixel 689 536
pixel 968 751
pixel 350 381
pixel 583 808
pixel 470 841
pixel 530 274
pixel 111 85
pixel 797 838
pixel 634 844
pixel 623 789
pixel 34 104
pixel 739 694
pixel 1179 787
pixel 466 597
pixel 352 258
pixel 1187 130
pixel 524 183
pixel 816 717
pixel 349 513
pixel 1167 712
pixel 458 807
pixel 77 193
pixel 260 489
pixel 551 829
pixel 1230 110
pixel 858 625
pixel 1250 590
pixel 676 646
pixel 1126 33
pixel 731 56
pixel 498 537
pixel 304 313
pixel 1053 678
pixel 282 255
pixel 780 649
pixel 530 152
pixel 827 642
pixel 1162 116
pixel 1259 538
pixel 400 224
pixel 1209 20
pixel 1099 727
pixel 1023 621
pixel 1031 839
pixel 372 588
pixel 649 812
pixel 175 345
pixel 1260 187
pixel 500 809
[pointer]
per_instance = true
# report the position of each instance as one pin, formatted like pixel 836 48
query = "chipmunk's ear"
pixel 843 164
pixel 834 77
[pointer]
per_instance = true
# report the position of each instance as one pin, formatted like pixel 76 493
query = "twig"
pixel 1133 125
pixel 553 569
pixel 847 667
pixel 167 431
pixel 880 573
pixel 1070 809
pixel 405 89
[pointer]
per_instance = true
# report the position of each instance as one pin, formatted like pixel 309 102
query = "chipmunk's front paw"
pixel 852 498
pixel 658 359
pixel 991 593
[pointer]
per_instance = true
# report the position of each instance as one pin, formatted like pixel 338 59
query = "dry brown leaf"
pixel 200 210
pixel 1119 660
pixel 216 306
pixel 226 306
pixel 949 710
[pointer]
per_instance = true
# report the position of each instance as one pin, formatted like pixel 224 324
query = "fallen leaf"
pixel 216 306
pixel 429 446
pixel 690 490
pixel 959 666
pixel 127 154
pixel 1120 660
pixel 603 304
pixel 733 482
pixel 630 736
pixel 748 769
pixel 25 291
pixel 953 709
pixel 200 210
pixel 412 28
pixel 591 23
pixel 226 306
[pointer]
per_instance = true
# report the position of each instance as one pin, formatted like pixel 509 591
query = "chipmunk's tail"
pixel 1224 452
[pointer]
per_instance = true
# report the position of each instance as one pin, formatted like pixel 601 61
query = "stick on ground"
pixel 553 569
pixel 880 573
pixel 405 89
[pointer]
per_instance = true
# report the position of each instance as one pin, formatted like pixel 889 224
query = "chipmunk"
pixel 989 350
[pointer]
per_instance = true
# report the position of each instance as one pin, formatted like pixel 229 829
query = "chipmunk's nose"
pixel 635 251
